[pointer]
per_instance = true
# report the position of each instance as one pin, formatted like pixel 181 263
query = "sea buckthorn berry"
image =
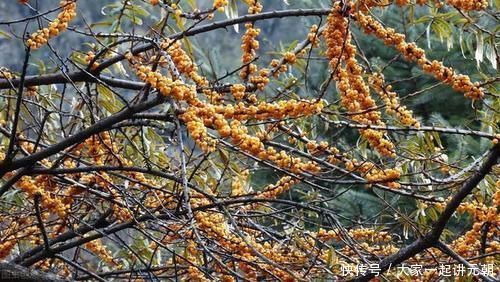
pixel 41 37
pixel 220 4
pixel 290 58
pixel 31 91
pixel 412 52
pixel 313 36
pixel 89 57
pixel 402 2
pixel 100 250
pixel 274 190
pixel 185 65
pixel 469 5
pixel 391 101
pixel 6 74
pixel 255 7
pixel 238 91
pixel 355 94
pixel 496 139
pixel 249 46
pixel 6 247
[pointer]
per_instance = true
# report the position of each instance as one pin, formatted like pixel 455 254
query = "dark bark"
pixel 432 238
pixel 14 272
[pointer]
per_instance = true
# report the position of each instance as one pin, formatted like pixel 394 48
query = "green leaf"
pixel 78 58
pixel 135 19
pixel 138 10
pixel 103 23
pixel 231 12
pixel 423 19
pixel 108 99
pixel 5 34
pixel 331 257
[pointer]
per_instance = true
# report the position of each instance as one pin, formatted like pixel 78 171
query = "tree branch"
pixel 80 136
pixel 80 76
pixel 445 249
pixel 14 272
pixel 10 150
pixel 414 129
pixel 431 238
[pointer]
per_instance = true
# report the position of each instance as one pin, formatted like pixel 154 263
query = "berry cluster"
pixel 240 137
pixel 245 250
pixel 391 100
pixel 238 91
pixel 6 247
pixel 239 183
pixel 90 59
pixel 361 234
pixel 272 191
pixel 6 74
pixel 249 43
pixel 185 65
pixel 193 271
pixel 39 38
pixel 469 244
pixel 249 46
pixel 469 5
pixel 212 223
pixel 16 230
pixel 198 131
pixel 198 118
pixel 367 169
pixel 365 5
pixel 314 148
pixel 313 36
pixel 220 4
pixel 355 94
pixel 100 250
pixel 261 79
pixel 373 174
pixel 478 239
pixel 254 7
pixel 278 67
pixel 165 85
pixel 262 111
pixel 120 209
pixel 412 52
pixel 183 62
pixel 43 187
pixel 290 58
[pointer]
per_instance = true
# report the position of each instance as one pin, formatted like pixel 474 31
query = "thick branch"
pixel 17 111
pixel 14 272
pixel 445 249
pixel 432 238
pixel 80 136
pixel 78 76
